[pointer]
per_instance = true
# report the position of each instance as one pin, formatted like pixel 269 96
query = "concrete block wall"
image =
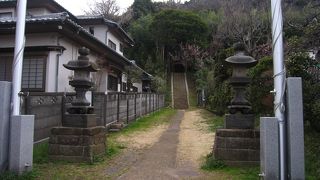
pixel 49 108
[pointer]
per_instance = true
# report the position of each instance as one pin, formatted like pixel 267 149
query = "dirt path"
pixel 159 161
pixel 167 152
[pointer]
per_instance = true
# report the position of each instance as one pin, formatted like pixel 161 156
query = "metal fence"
pixel 49 108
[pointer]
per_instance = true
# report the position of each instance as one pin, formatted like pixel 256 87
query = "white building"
pixel 53 37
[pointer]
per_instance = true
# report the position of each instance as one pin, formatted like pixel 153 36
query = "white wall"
pixel 38 11
pixel 51 74
pixel 139 86
pixel 40 39
pixel 54 39
pixel 12 10
pixel 116 41
pixel 101 31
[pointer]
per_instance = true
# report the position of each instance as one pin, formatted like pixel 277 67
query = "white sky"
pixel 81 5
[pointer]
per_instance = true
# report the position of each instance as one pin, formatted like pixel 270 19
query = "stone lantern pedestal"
pixel 238 144
pixel 79 139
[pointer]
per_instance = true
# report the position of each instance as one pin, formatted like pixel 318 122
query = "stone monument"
pixel 79 139
pixel 238 143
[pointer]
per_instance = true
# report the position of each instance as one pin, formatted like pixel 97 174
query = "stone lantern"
pixel 238 143
pixel 240 109
pixel 79 139
pixel 80 113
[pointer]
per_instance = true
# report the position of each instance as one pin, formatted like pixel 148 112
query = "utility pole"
pixel 279 82
pixel 18 56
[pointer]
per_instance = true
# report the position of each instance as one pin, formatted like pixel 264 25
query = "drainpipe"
pixel 57 63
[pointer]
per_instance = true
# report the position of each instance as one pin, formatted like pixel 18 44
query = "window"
pixel 134 89
pixel 121 47
pixel 112 83
pixel 112 45
pixel 6 14
pixel 6 68
pixel 91 30
pixel 33 73
pixel 124 86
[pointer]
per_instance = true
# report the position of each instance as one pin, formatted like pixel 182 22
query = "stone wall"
pixel 49 108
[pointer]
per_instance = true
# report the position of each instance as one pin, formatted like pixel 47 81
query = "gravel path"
pixel 159 162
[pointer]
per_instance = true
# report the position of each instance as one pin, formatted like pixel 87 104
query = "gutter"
pixel 57 63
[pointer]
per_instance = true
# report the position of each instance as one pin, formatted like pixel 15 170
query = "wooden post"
pixel 105 109
pixel 127 97
pixel 135 106
pixel 118 107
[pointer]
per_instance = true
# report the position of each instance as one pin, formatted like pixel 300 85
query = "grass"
pixel 40 153
pixel 154 119
pixel 244 173
pixel 312 153
pixel 26 176
pixel 214 122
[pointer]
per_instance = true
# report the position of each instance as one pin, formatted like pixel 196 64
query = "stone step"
pixel 118 125
pixel 237 154
pixel 114 130
pixel 237 143
pixel 246 133
pixel 242 163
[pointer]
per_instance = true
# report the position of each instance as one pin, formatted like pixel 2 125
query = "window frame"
pixel 112 45
pixel 91 30
pixel 6 13
pixel 7 59
pixel 44 75
pixel 121 48
pixel 124 86
pixel 113 87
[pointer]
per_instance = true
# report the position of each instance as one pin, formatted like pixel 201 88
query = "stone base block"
pixel 237 147
pixel 239 121
pixel 79 120
pixel 118 125
pixel 77 144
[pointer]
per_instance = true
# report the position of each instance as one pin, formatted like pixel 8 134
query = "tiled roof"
pixel 42 18
pixel 63 17
pixel 107 21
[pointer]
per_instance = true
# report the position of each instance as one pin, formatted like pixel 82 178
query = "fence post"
pixel 146 104
pixel 150 106
pixel 154 104
pixel 26 103
pixel 158 101
pixel 63 106
pixel 105 109
pixel 127 97
pixel 140 105
pixel 135 106
pixel 118 106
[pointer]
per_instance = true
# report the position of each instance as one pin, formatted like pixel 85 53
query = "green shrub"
pixel 212 164
pixel 219 100
pixel 260 86
pixel 299 65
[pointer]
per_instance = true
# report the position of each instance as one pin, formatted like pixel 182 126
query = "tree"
pixel 245 21
pixel 174 27
pixel 106 8
pixel 142 8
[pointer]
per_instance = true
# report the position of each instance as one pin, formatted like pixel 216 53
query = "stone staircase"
pixel 180 94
